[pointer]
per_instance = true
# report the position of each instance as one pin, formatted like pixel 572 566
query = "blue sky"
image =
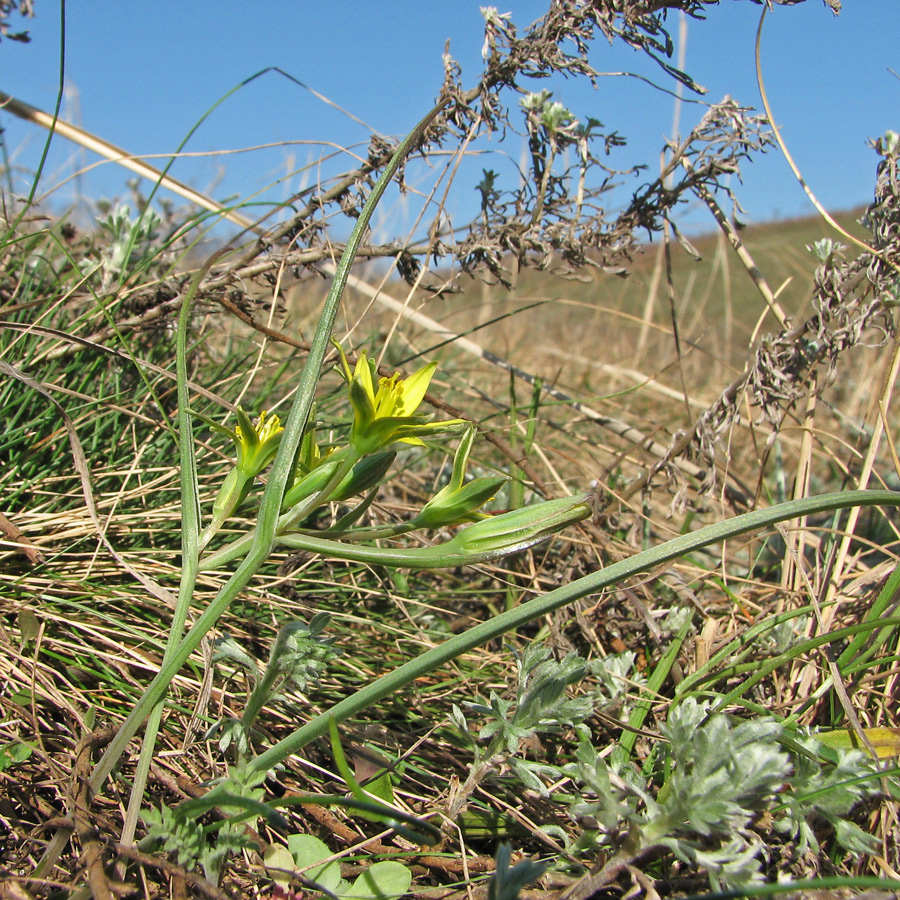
pixel 140 74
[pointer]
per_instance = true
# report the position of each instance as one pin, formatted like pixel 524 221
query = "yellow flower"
pixel 257 444
pixel 386 414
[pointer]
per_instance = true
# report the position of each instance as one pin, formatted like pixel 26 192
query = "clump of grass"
pixel 633 704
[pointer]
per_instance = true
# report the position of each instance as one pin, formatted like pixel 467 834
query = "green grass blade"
pixel 853 652
pixel 280 472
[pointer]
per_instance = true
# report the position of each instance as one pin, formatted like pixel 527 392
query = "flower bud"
pixel 521 528
pixel 452 506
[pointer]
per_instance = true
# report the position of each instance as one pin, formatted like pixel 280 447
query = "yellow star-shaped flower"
pixel 386 413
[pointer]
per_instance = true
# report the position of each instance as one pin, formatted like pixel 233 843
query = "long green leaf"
pixel 280 472
pixel 556 599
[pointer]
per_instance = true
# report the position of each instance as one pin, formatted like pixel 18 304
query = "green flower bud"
pixel 454 506
pixel 256 446
pixel 459 502
pixel 364 475
pixel 521 528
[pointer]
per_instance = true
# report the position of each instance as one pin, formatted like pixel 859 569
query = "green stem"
pixel 439 556
pixel 60 92
pixel 234 489
pixel 281 471
pixel 533 609
pixel 853 652
pixel 654 686
pixel 796 651
pixel 190 552
pixel 434 557
pixel 262 692
pixel 235 550
pixel 735 650
pixel 375 533
pixel 240 547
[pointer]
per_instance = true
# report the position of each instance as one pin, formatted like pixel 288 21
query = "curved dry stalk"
pixel 790 159
pixel 115 154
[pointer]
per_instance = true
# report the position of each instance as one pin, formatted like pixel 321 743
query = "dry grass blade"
pixel 15 536
pixel 632 703
pixel 81 467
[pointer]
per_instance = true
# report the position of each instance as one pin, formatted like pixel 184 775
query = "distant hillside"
pixel 778 249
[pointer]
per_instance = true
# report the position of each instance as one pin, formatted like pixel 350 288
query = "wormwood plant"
pixel 713 788
pixel 724 784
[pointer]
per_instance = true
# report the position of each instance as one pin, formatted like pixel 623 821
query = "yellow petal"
pixel 413 389
pixel 268 426
pixel 363 374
